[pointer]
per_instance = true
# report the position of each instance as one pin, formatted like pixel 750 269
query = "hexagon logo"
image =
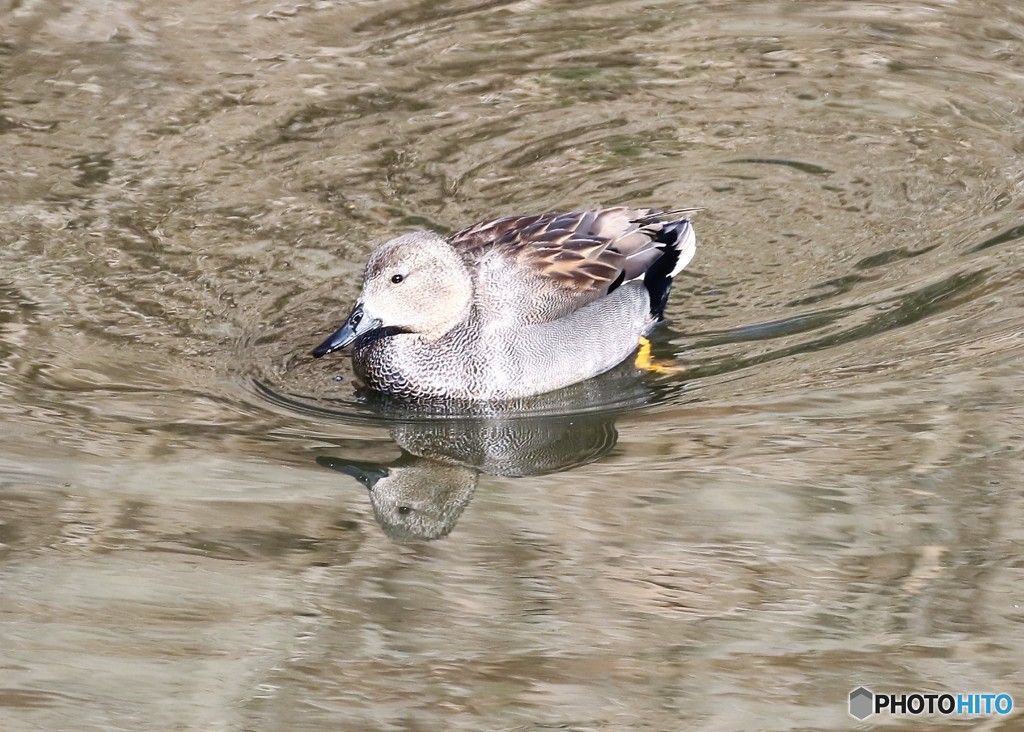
pixel 862 703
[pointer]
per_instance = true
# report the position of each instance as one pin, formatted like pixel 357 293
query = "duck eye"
pixel 397 278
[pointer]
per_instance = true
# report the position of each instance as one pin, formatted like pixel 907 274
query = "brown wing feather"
pixel 586 251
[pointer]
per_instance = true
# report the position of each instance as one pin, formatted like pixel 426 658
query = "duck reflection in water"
pixel 422 494
pixel 413 497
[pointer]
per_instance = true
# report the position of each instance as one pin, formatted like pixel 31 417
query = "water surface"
pixel 829 496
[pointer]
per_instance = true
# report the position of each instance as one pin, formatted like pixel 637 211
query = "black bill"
pixel 355 326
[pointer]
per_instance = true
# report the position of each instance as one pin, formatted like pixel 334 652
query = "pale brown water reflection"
pixel 830 497
pixel 421 494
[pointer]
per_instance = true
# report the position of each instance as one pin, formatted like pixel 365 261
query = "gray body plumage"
pixel 479 359
pixel 513 307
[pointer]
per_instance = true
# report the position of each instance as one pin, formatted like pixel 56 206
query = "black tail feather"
pixel 658 279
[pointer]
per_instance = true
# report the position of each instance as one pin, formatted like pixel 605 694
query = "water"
pixel 828 497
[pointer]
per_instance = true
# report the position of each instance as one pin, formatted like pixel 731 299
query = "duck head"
pixel 416 283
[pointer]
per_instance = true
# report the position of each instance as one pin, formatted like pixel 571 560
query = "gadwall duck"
pixel 513 307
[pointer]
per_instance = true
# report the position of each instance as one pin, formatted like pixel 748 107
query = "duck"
pixel 513 307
